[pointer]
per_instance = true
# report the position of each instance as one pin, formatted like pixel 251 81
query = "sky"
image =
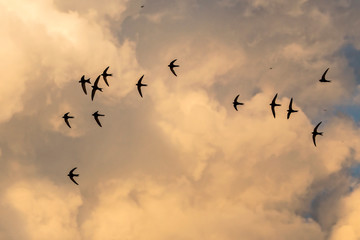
pixel 180 163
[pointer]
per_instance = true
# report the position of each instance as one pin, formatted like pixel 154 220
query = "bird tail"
pixel 321 133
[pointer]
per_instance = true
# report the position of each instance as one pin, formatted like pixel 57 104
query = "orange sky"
pixel 179 163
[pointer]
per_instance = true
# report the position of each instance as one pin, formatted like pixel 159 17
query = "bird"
pixel 323 77
pixel 66 118
pixel 96 116
pixel 290 110
pixel 273 105
pixel 83 81
pixel 72 175
pixel 172 66
pixel 95 87
pixel 315 133
pixel 236 103
pixel 142 6
pixel 105 75
pixel 139 85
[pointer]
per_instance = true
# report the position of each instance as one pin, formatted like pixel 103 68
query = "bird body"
pixel 139 85
pixel 66 118
pixel 290 110
pixel 273 104
pixel 172 66
pixel 236 103
pixel 72 175
pixel 83 81
pixel 315 133
pixel 96 116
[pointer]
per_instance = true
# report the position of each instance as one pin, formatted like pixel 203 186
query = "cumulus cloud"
pixel 179 163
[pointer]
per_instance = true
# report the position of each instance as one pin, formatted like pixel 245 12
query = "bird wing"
pixel 97 120
pixel 67 122
pixel 105 71
pixel 139 89
pixel 290 105
pixel 83 87
pixel 236 98
pixel 313 137
pixel 93 93
pixel 274 100
pixel 97 81
pixel 273 110
pixel 172 70
pixel 72 170
pixel 172 62
pixel 315 129
pixel 72 179
pixel 105 80
pixel 288 114
pixel 323 76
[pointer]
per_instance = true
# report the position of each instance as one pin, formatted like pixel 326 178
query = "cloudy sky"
pixel 180 163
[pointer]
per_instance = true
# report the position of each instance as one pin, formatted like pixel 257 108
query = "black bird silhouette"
pixel 236 103
pixel 72 175
pixel 105 75
pixel 96 116
pixel 139 85
pixel 323 77
pixel 95 87
pixel 172 66
pixel 315 133
pixel 83 81
pixel 273 104
pixel 142 6
pixel 290 110
pixel 66 118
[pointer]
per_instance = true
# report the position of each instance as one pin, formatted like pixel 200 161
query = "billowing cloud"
pixel 179 163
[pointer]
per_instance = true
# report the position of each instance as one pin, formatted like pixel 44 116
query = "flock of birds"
pixel 172 65
pixel 95 88
pixel 273 104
